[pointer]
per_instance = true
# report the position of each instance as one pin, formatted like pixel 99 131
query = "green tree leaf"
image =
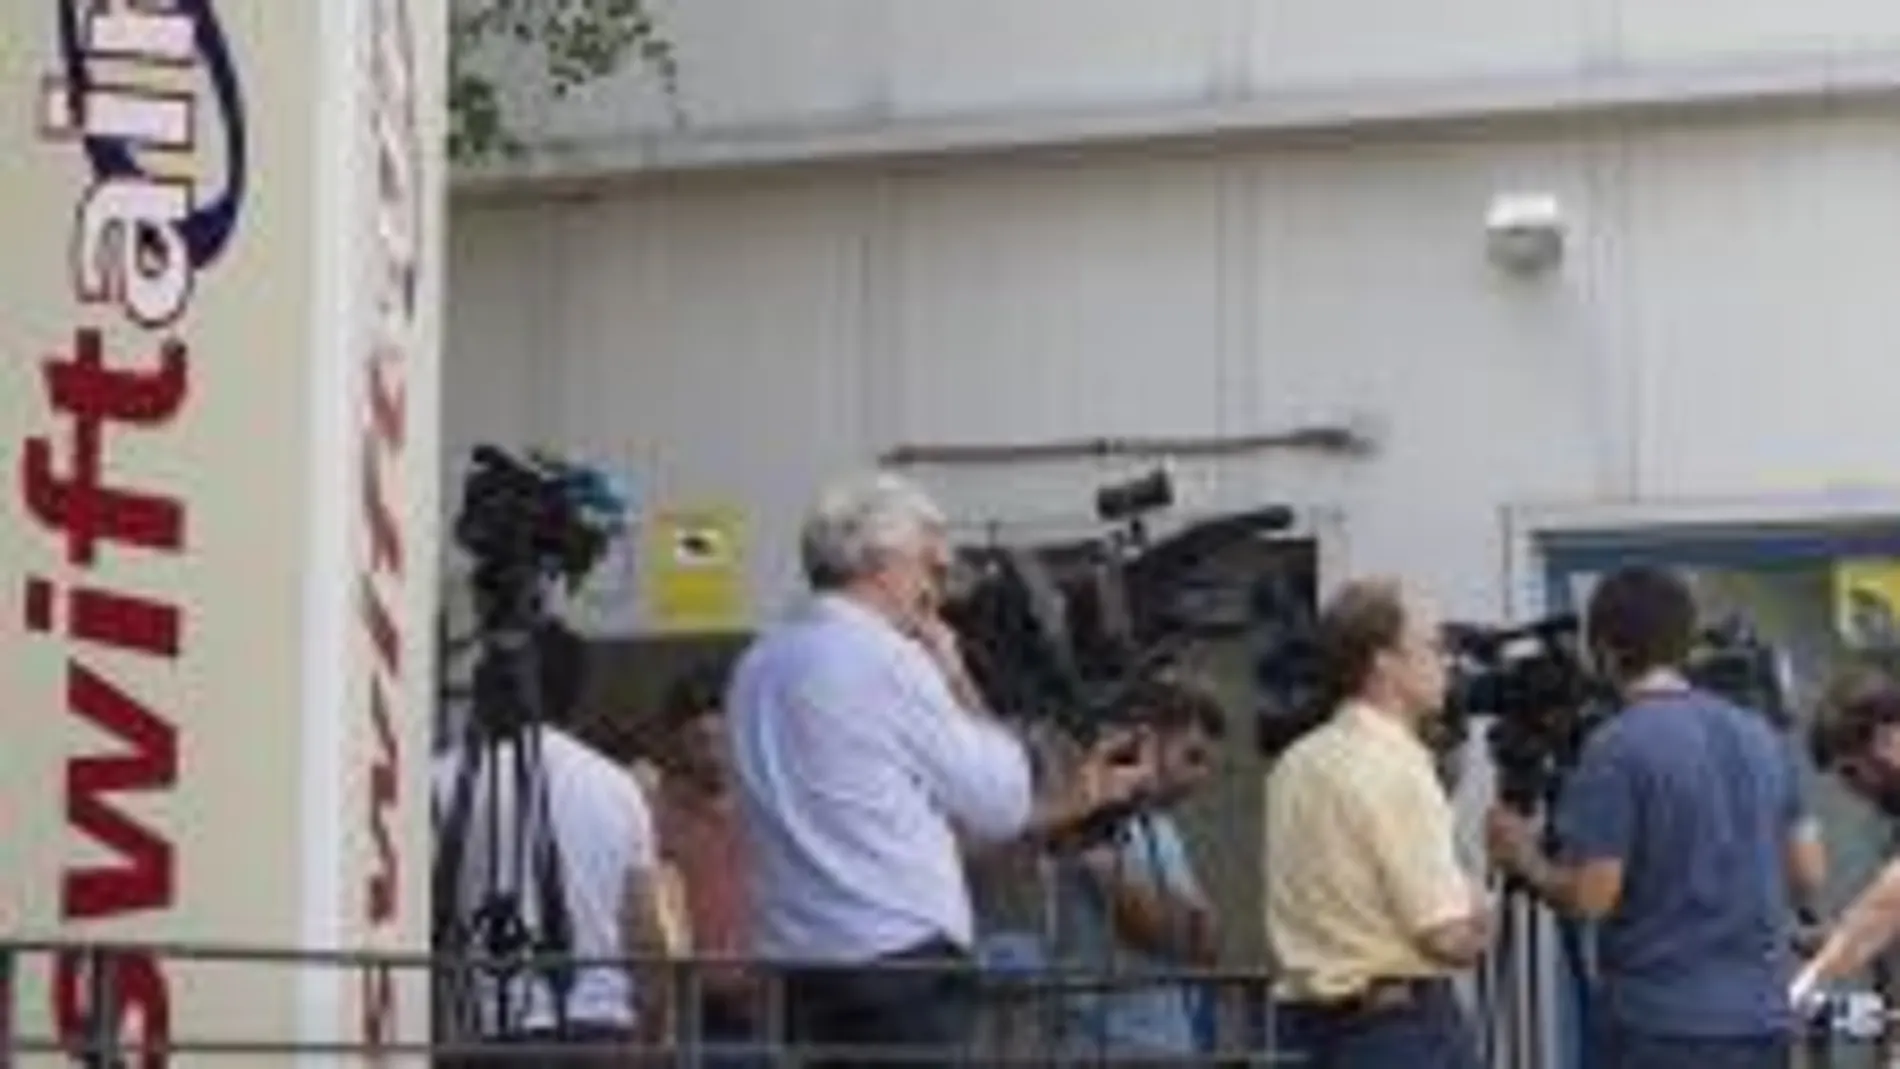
pixel 573 42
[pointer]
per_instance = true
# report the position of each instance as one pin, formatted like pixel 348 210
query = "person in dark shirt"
pixel 1683 831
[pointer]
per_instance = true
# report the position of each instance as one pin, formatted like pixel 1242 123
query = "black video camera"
pixel 525 520
pixel 1063 631
pixel 527 523
pixel 1537 685
pixel 1733 661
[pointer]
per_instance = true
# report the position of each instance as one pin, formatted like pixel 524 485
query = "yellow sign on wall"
pixel 695 566
pixel 1867 603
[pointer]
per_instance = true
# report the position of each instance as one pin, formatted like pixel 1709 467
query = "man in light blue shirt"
pixel 865 763
pixel 1134 907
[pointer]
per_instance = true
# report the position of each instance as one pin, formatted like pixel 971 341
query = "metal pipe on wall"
pixel 1336 439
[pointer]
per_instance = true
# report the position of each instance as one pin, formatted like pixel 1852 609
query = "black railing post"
pixel 7 1038
pixel 102 1010
pixel 688 1027
pixel 778 1030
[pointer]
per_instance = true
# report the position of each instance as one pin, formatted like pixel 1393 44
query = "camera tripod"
pixel 1514 989
pixel 1516 994
pixel 500 898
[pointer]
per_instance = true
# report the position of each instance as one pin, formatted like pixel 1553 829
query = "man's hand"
pixel 1483 909
pixel 940 640
pixel 1123 766
pixel 1804 992
pixel 1864 930
pixel 1511 841
pixel 1590 890
pixel 1119 769
pixel 1147 912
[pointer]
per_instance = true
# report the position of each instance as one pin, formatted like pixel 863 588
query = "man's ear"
pixel 1885 745
pixel 1381 662
pixel 1602 664
pixel 647 774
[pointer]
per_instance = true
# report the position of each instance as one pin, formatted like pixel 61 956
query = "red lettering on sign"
pixel 144 878
pixel 139 997
pixel 79 503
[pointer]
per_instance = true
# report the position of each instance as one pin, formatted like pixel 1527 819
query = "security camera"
pixel 1524 232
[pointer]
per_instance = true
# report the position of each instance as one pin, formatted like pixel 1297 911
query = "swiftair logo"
pixel 142 240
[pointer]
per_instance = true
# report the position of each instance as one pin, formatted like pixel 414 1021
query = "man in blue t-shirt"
pixel 1133 906
pixel 1682 829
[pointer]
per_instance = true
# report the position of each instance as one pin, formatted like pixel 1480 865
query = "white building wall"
pixel 781 70
pixel 1763 325
pixel 498 331
pixel 1722 325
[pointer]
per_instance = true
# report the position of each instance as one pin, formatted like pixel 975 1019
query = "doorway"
pixel 1786 575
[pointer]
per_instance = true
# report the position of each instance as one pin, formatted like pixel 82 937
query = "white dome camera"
pixel 1524 232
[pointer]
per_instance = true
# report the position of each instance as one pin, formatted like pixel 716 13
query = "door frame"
pixel 1538 536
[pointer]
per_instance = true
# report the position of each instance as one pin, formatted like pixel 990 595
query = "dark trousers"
pixel 723 1023
pixel 1619 1048
pixel 1426 1029
pixel 613 1049
pixel 922 1003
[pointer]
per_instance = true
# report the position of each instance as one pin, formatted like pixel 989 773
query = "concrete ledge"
pixel 555 167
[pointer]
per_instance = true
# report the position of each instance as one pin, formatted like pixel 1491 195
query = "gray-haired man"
pixel 865 760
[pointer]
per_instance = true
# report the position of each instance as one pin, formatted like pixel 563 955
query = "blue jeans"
pixel 1429 1032
pixel 1619 1048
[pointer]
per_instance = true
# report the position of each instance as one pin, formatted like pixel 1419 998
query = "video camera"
pixel 1537 686
pixel 528 522
pixel 1063 631
pixel 538 516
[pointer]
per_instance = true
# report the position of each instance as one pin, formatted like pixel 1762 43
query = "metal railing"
pixel 1019 1015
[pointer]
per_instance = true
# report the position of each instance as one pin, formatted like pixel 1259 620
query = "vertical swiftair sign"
pixel 217 393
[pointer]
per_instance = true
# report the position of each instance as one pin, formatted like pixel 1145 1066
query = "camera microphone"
pixel 1150 493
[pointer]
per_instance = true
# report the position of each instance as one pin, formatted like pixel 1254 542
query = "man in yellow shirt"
pixel 1368 912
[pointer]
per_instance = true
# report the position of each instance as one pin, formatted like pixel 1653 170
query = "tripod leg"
pixel 1492 980
pixel 1498 1010
pixel 1522 965
pixel 1533 987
